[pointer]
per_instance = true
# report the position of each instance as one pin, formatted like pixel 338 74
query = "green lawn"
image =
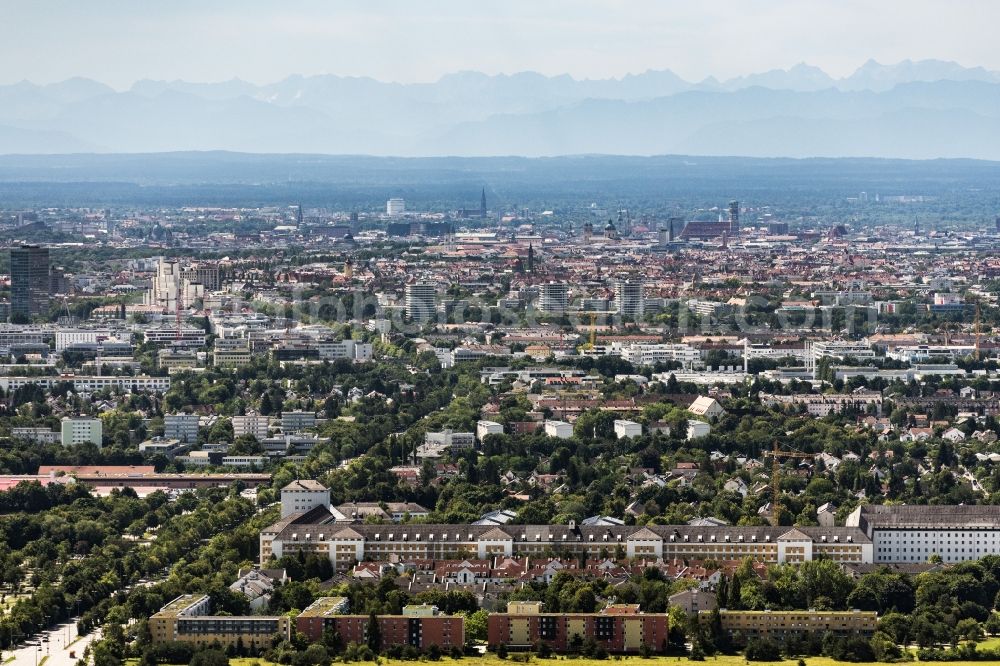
pixel 722 660
pixel 732 660
pixel 492 660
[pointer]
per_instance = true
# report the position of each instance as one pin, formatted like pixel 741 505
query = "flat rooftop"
pixel 325 606
pixel 179 604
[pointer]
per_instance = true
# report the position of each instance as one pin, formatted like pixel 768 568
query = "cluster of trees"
pixel 939 607
pixel 72 552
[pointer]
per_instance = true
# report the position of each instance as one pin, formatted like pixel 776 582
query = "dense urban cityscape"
pixel 296 433
pixel 652 332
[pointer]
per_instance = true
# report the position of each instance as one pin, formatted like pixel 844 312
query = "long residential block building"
pixel 87 383
pixel 619 628
pixel 317 531
pixel 873 534
pixel 187 619
pixel 788 624
pixel 420 626
pixel 821 404
pixel 908 533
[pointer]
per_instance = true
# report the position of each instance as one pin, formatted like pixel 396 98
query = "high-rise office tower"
pixel 205 274
pixel 29 281
pixel 630 298
pixel 420 301
pixel 734 217
pixel 553 297
pixel 673 231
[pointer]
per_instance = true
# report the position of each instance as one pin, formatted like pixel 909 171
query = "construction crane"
pixel 589 345
pixel 777 455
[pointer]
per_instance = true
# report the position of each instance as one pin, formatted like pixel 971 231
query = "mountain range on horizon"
pixel 920 110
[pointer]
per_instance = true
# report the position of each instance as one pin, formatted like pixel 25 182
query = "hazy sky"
pixel 121 41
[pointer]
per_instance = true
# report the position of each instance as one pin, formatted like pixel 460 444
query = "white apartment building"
pixel 625 428
pixel 350 350
pixel 821 405
pixel 553 297
pixel 909 533
pixel 168 286
pixel 484 428
pixel 81 430
pixel 251 424
pixel 696 429
pixel 294 422
pixel 558 429
pixel 90 383
pixel 651 354
pixel 182 427
pixel 630 298
pixel 420 301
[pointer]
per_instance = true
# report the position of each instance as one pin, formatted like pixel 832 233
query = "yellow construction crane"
pixel 592 341
pixel 777 455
